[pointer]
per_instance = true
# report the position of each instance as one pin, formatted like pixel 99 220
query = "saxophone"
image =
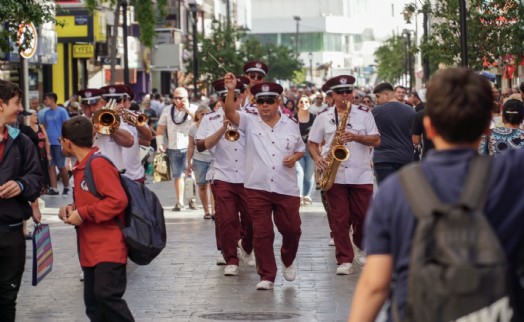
pixel 337 153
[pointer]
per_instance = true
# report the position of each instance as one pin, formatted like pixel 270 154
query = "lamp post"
pixel 297 19
pixel 463 34
pixel 126 58
pixel 310 56
pixel 408 13
pixel 193 7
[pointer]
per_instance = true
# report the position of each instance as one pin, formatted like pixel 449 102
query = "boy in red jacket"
pixel 102 249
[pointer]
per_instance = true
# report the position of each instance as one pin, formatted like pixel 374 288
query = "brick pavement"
pixel 184 284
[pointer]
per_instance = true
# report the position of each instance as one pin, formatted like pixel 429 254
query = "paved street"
pixel 184 284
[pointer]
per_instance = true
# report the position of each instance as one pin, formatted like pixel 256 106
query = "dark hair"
pixel 134 106
pixel 383 87
pixel 513 112
pixel 79 130
pixel 51 95
pixel 459 104
pixel 157 96
pixel 399 86
pixel 293 105
pixel 521 87
pixel 9 90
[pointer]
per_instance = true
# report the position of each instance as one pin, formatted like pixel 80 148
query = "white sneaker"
pixel 248 259
pixel 331 242
pixel 290 272
pixel 231 270
pixel 81 277
pixel 265 285
pixel 360 257
pixel 344 269
pixel 221 260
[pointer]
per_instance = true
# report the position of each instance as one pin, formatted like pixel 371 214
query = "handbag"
pixel 42 253
pixel 161 168
pixel 145 153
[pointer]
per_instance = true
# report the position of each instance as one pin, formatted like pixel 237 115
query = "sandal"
pixel 207 216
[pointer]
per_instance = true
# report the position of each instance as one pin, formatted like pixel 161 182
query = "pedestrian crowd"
pixel 255 152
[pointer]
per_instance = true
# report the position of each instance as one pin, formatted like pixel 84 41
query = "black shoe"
pixel 65 192
pixel 193 204
pixel 52 192
pixel 178 207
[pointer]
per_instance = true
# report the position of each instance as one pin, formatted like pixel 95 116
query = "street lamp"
pixel 463 34
pixel 297 19
pixel 126 58
pixel 310 56
pixel 193 7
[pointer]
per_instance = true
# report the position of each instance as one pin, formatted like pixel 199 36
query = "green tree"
pixel 390 57
pixel 14 12
pixel 227 47
pixel 494 30
pixel 145 14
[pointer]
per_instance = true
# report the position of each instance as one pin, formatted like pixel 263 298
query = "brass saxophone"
pixel 337 153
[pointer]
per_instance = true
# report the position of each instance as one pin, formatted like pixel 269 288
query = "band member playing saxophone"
pixel 344 164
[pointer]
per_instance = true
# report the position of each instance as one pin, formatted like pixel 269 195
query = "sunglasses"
pixel 343 91
pixel 223 98
pixel 366 101
pixel 256 76
pixel 268 100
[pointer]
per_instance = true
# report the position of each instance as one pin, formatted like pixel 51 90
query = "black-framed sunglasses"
pixel 366 101
pixel 256 76
pixel 268 100
pixel 343 91
pixel 223 98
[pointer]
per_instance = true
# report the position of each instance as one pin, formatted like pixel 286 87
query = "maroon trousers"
pixel 230 200
pixel 348 204
pixel 261 205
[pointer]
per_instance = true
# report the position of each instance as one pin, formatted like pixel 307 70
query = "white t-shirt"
pixel 200 156
pixel 177 134
pixel 266 148
pixel 110 148
pixel 228 157
pixel 131 156
pixel 357 168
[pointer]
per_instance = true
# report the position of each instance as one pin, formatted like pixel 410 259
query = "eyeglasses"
pixel 343 91
pixel 268 100
pixel 223 98
pixel 256 76
pixel 366 101
pixel 179 97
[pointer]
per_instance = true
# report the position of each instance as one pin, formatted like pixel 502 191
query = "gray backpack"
pixel 457 268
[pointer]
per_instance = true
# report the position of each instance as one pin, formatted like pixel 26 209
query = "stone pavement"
pixel 184 284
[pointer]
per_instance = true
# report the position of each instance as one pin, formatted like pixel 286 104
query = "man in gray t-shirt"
pixel 394 120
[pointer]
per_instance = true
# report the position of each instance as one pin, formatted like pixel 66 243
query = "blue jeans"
pixel 178 162
pixel 200 169
pixel 305 168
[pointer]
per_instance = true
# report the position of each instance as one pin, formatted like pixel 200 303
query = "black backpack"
pixel 145 228
pixel 457 267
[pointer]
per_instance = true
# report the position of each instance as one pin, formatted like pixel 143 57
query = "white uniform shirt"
pixel 132 161
pixel 357 168
pixel 313 109
pixel 228 157
pixel 266 148
pixel 177 134
pixel 110 148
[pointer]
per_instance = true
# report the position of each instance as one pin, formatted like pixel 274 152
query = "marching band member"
pixel 142 135
pixel 352 190
pixel 227 177
pixel 256 72
pixel 273 146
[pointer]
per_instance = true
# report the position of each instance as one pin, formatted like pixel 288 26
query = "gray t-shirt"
pixel 394 120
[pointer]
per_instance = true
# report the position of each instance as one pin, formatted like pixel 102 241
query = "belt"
pixel 4 229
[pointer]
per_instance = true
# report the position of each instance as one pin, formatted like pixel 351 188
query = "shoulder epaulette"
pixel 324 110
pixel 293 119
pixel 363 108
pixel 210 112
pixel 214 117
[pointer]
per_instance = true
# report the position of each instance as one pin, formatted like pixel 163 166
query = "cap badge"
pixel 258 65
pixel 343 80
pixel 112 90
pixel 88 94
pixel 265 88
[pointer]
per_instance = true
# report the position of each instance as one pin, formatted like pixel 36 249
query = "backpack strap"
pixel 419 192
pixel 475 192
pixel 88 174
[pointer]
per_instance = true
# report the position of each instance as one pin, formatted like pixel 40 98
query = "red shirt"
pixel 99 237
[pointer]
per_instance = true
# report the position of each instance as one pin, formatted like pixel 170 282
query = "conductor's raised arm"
pixel 230 82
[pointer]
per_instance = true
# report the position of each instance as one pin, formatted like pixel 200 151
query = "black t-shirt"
pixel 305 127
pixel 418 129
pixel 394 121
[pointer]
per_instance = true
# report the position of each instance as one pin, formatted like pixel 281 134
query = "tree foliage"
pixel 495 34
pixel 146 13
pixel 391 59
pixel 14 12
pixel 232 48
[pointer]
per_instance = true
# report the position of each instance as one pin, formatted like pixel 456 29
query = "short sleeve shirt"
pixel 266 148
pixel 110 148
pixel 177 133
pixel 390 223
pixel 228 157
pixel 204 156
pixel 357 168
pixel 53 120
